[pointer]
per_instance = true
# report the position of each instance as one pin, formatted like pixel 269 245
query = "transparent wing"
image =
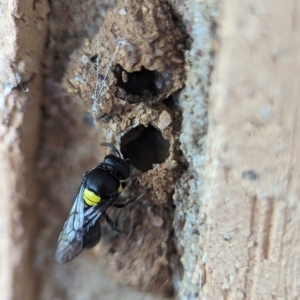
pixel 70 240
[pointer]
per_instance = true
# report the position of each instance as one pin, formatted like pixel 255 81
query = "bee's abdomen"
pixel 90 198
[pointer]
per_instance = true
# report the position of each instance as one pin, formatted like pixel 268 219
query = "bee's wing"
pixel 70 240
pixel 79 223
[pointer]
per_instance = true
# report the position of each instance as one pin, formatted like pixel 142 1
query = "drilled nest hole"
pixel 145 147
pixel 142 83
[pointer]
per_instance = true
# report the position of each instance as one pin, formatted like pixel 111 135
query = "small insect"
pixel 98 191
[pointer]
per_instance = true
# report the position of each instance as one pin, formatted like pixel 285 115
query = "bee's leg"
pixel 129 181
pixel 121 205
pixel 111 223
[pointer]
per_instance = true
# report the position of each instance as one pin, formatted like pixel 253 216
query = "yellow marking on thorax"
pixel 90 198
pixel 120 188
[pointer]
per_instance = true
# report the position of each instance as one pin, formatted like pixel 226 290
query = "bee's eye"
pixel 90 198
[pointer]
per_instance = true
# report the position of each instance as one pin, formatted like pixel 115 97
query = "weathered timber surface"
pixel 251 186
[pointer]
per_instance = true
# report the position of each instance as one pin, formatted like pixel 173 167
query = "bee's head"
pixel 119 165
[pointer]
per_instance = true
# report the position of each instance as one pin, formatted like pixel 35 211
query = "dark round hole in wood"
pixel 145 147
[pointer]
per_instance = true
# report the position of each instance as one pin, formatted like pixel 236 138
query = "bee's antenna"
pixel 113 147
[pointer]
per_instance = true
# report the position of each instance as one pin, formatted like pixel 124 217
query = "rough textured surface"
pixel 20 91
pixel 251 194
pixel 189 221
pixel 246 232
pixel 137 57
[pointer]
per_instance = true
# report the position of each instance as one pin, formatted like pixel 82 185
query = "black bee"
pixel 98 191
